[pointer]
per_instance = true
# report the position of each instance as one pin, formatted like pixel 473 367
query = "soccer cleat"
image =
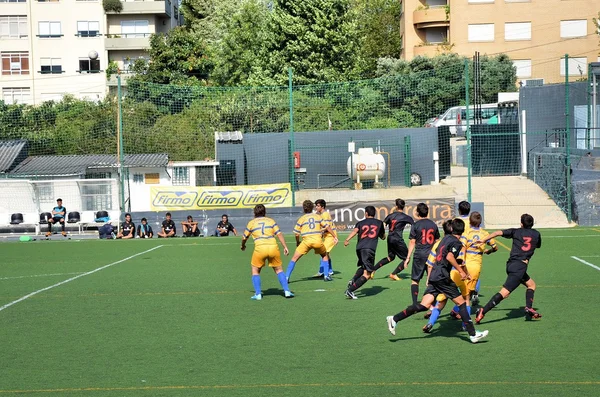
pixel 395 277
pixel 475 300
pixel 350 295
pixel 327 278
pixel 256 297
pixel 318 275
pixel 479 335
pixel 427 328
pixel 427 315
pixel 391 324
pixel 479 315
pixel 372 275
pixel 288 294
pixel 48 234
pixel 454 315
pixel 531 314
pixel 64 234
pixel 331 273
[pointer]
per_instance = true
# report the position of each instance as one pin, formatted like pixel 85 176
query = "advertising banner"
pixel 176 198
pixel 346 215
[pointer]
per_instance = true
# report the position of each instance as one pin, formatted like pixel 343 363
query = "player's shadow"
pixel 510 314
pixel 273 291
pixel 371 291
pixel 450 330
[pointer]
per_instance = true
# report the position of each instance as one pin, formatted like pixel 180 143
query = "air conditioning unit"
pixel 533 82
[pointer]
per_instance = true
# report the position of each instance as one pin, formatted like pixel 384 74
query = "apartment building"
pixel 50 48
pixel 536 34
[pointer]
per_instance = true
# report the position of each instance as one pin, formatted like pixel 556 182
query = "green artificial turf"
pixel 178 321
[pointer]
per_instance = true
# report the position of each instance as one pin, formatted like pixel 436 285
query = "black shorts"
pixel 516 274
pixel 418 267
pixel 366 259
pixel 56 219
pixel 446 287
pixel 397 249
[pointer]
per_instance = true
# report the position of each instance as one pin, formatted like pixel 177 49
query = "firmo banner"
pixel 346 215
pixel 174 198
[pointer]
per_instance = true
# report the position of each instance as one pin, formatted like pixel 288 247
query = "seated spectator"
pixel 106 231
pixel 224 227
pixel 168 227
pixel 58 216
pixel 190 227
pixel 127 228
pixel 145 230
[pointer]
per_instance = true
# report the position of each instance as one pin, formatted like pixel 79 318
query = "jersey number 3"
pixel 526 244
pixel 369 231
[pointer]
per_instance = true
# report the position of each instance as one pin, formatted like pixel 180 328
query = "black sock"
pixel 358 274
pixel 358 283
pixel 529 298
pixel 466 319
pixel 49 227
pixel 414 292
pixel 381 263
pixel 496 299
pixel 62 226
pixel 398 268
pixel 409 311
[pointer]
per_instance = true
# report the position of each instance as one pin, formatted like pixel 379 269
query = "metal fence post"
pixel 292 145
pixel 468 133
pixel 120 143
pixel 568 140
pixel 407 160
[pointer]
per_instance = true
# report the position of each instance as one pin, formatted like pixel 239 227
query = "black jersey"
pixel 425 232
pixel 442 267
pixel 369 230
pixel 168 225
pixel 525 241
pixel 396 221
pixel 127 227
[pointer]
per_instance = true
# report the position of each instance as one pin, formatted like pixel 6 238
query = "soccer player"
pixel 368 231
pixel 320 205
pixel 423 235
pixel 127 228
pixel 190 227
pixel 264 230
pixel 224 227
pixel 144 230
pixel 58 216
pixel 168 227
pixel 525 241
pixel 396 247
pixel 464 209
pixel 311 227
pixel 473 262
pixel 440 283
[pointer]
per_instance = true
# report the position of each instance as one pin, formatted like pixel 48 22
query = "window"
pixel 523 67
pixel 575 28
pixel 12 1
pixel 87 65
pixel 517 31
pixel 134 28
pixel 152 179
pixel 15 63
pixel 49 29
pixel 51 65
pixel 128 63
pixel 47 1
pixel 88 28
pixel 481 32
pixel 16 95
pixel 577 67
pixel 138 178
pixel 13 26
pixel 181 176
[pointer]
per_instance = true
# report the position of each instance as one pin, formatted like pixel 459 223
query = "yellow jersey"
pixel 263 230
pixel 328 222
pixel 474 254
pixel 310 227
pixel 432 254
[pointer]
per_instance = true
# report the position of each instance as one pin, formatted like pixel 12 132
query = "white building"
pixel 48 47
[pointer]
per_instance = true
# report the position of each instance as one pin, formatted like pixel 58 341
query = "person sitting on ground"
pixel 168 227
pixel 127 228
pixel 145 230
pixel 58 216
pixel 224 227
pixel 190 227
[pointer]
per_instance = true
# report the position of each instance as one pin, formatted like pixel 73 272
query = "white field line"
pixel 21 299
pixel 39 275
pixel 582 235
pixel 585 263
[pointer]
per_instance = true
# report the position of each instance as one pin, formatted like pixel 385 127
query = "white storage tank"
pixel 369 165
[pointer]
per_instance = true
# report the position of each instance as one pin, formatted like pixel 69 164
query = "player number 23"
pixel 369 231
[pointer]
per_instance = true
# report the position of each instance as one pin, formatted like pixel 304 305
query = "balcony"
pixel 431 50
pixel 133 41
pixel 431 17
pixel 161 7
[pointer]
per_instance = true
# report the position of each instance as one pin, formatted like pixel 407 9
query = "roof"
pixel 78 164
pixel 11 153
